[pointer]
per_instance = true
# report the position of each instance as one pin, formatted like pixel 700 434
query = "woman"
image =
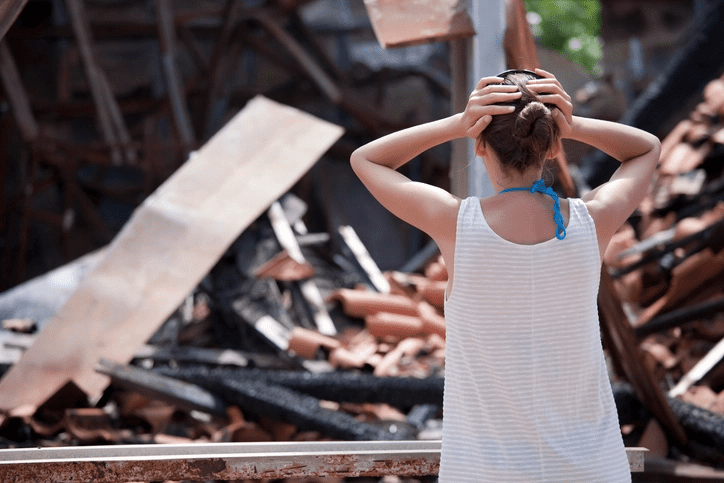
pixel 527 396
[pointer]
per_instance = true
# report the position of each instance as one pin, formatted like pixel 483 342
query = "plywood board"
pixel 398 23
pixel 171 242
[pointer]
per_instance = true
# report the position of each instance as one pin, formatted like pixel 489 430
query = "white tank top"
pixel 527 395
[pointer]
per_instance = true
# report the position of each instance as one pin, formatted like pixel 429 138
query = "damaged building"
pixel 196 287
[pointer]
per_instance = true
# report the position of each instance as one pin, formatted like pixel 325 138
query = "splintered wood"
pixel 168 246
pixel 410 22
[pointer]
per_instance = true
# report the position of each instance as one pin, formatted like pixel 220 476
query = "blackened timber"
pixel 700 425
pixel 197 355
pixel 272 400
pixel 681 316
pixel 710 235
pixel 342 386
pixel 148 383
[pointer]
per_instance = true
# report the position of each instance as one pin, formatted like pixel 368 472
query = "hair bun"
pixel 527 119
pixel 534 128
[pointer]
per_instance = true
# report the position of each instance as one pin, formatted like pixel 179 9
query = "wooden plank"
pixel 288 240
pixel 167 40
pixel 231 461
pixel 347 99
pixel 13 85
pixel 109 114
pixel 173 239
pixel 363 257
pixel 220 57
pixel 399 23
pixel 325 83
pixel 9 11
pixel 701 369
pixel 625 351
pixel 519 45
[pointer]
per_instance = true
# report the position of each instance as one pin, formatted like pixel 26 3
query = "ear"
pixel 555 150
pixel 480 148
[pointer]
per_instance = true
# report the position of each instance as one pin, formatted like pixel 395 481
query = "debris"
pixel 151 261
pixel 280 403
pixel 348 351
pixel 357 249
pixel 403 23
pixel 153 385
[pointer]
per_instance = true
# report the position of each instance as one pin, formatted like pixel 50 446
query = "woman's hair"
pixel 526 136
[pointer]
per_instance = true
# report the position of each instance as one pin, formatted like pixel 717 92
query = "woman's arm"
pixel 425 206
pixel 612 203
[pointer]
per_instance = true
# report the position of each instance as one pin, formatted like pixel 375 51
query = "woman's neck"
pixel 516 179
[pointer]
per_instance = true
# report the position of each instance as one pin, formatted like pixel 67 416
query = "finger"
pixel 494 98
pixel 544 73
pixel 561 119
pixel 494 88
pixel 489 80
pixel 477 128
pixel 549 89
pixel 556 99
pixel 552 82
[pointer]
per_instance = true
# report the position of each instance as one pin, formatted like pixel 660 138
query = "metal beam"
pixel 229 461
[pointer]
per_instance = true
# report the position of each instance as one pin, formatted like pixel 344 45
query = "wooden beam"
pixel 15 91
pixel 218 60
pixel 184 394
pixel 109 114
pixel 701 369
pixel 364 259
pixel 9 11
pixel 167 41
pixel 171 242
pixel 626 352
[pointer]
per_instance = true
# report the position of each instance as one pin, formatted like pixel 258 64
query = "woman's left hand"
pixel 484 103
pixel 550 91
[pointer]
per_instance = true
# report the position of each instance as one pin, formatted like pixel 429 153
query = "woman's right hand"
pixel 551 91
pixel 484 102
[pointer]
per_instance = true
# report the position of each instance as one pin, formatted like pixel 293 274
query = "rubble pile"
pixel 668 265
pixel 243 358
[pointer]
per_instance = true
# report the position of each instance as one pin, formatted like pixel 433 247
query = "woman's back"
pixel 526 383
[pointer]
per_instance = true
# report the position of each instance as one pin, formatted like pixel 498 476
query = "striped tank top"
pixel 527 395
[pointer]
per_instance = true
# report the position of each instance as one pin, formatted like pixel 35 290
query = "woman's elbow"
pixel 356 160
pixel 655 149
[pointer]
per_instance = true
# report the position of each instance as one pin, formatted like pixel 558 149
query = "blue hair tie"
pixel 540 187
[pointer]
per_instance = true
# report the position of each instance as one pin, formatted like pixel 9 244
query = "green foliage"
pixel 570 27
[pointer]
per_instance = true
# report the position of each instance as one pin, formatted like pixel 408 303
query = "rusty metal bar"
pixel 229 461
